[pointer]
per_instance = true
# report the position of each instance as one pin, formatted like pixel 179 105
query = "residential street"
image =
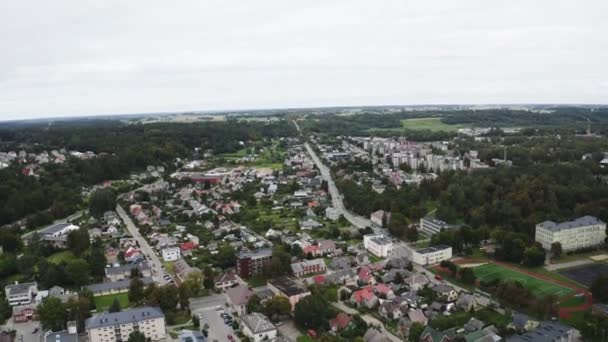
pixel 145 247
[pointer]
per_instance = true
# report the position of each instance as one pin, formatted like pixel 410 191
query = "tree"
pixel 397 225
pixel 184 294
pixel 534 256
pixel 52 314
pixel 467 275
pixel 115 307
pixel 78 272
pixel 78 241
pixel 79 310
pixel 277 307
pixel 136 336
pixel 556 249
pixel 97 260
pixel 208 278
pixel 312 312
pixel 136 291
pixel 102 200
pixel 599 289
pixel 254 304
pixel 415 331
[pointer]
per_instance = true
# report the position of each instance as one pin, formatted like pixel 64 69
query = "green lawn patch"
pixel 257 281
pixel 572 302
pixel 103 303
pixel 433 124
pixel 539 287
pixel 59 257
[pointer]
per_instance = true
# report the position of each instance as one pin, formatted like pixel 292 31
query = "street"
pixel 157 266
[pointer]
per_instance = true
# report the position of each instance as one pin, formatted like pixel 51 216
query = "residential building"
pixel 21 294
pixel 238 297
pixel 289 289
pixel 258 327
pixel 340 322
pixel 117 326
pixel 56 234
pixel 69 335
pixel 171 253
pixel 183 270
pixel 124 271
pixel 378 217
pixel 378 244
pixel 546 332
pixel 445 292
pixel 249 264
pixel 332 213
pixel 308 267
pixel 320 248
pixel 431 226
pixel 432 255
pixel 584 232
pixel 121 286
pixel 226 280
pixel 432 335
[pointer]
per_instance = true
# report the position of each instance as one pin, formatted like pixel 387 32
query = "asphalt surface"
pixel 157 265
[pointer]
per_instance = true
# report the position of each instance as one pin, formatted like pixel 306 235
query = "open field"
pixel 59 257
pixel 103 303
pixel 433 124
pixel 537 286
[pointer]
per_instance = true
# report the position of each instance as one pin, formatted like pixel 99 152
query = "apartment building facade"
pixel 117 326
pixel 249 264
pixel 584 232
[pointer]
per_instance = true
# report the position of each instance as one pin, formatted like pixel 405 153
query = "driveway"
pixel 288 329
pixel 157 266
pixel 24 330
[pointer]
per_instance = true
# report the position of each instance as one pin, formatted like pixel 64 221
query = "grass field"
pixel 102 303
pixel 537 286
pixel 57 258
pixel 433 124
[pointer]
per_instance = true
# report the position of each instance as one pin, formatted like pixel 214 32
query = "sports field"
pixel 537 286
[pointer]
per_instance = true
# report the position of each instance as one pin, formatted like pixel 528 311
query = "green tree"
pixel 52 314
pixel 599 289
pixel 277 307
pixel 534 256
pixel 136 336
pixel 136 291
pixel 102 200
pixel 415 331
pixel 78 241
pixel 79 310
pixel 467 275
pixel 312 312
pixel 254 304
pixel 78 272
pixel 556 249
pixel 184 294
pixel 115 307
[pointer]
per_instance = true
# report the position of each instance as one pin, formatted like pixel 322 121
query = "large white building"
pixel 584 232
pixel 117 326
pixel 171 253
pixel 21 294
pixel 378 244
pixel 431 226
pixel 432 255
pixel 258 327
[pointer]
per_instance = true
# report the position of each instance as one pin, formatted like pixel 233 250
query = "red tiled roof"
pixel 341 321
pixel 320 279
pixel 363 295
pixel 186 246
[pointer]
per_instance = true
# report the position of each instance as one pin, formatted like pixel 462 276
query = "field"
pixel 102 303
pixel 58 258
pixel 585 274
pixel 537 286
pixel 272 157
pixel 433 124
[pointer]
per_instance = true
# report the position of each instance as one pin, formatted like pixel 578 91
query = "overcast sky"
pixel 61 58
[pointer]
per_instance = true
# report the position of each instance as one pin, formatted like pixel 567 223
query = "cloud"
pixel 86 57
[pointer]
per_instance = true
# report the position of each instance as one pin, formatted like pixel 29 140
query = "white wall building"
pixel 332 213
pixel 584 232
pixel 20 294
pixel 378 244
pixel 171 253
pixel 432 255
pixel 431 226
pixel 258 328
pixel 117 326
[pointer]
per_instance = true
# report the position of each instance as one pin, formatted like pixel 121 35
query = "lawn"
pixel 102 303
pixel 537 286
pixel 433 124
pixel 572 302
pixel 58 258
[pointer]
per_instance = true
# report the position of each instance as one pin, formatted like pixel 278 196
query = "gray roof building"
pixel 257 323
pixel 107 319
pixel 546 332
pixel 115 286
pixel 579 222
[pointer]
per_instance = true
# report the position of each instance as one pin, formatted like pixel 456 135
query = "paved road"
pixel 157 265
pixel 369 320
pixel 575 263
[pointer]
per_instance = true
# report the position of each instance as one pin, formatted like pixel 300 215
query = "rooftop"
pixel 15 289
pixel 579 222
pixel 548 332
pixel 287 286
pixel 123 317
pixel 260 253
pixel 257 323
pixel 115 285
pixel 432 249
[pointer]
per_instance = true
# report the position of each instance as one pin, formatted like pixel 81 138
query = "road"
pixel 400 249
pixel 157 265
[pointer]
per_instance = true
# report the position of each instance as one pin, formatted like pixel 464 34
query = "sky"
pixel 81 57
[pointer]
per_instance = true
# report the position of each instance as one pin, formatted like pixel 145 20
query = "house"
pixel 249 264
pixel 362 259
pixel 56 234
pixel 289 289
pixel 397 262
pixel 431 226
pixel 342 277
pixel 258 327
pixel 467 302
pixel 69 335
pixel 124 271
pixel 416 281
pixel 365 276
pixel 374 335
pixel 340 322
pixel 121 286
pixel 473 325
pixel 365 296
pixel 332 214
pixel 379 217
pixel 546 331
pixel 340 263
pixel 392 309
pixel 226 280
pixel 21 294
pixel 445 292
pixel 183 271
pixel 378 244
pixel 238 297
pixel 117 326
pixel 431 335
pixel 432 255
pixel 487 334
pixel 24 313
pixel 320 248
pixel 417 316
pixel 522 323
pixel 191 336
pixel 171 253
pixel 133 255
pixel 308 267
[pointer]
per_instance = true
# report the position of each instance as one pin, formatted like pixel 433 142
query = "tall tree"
pixel 136 336
pixel 78 272
pixel 78 241
pixel 102 200
pixel 312 312
pixel 556 249
pixel 115 307
pixel 52 314
pixel 599 289
pixel 136 291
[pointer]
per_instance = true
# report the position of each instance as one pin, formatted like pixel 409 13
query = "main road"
pixel 157 265
pixel 400 248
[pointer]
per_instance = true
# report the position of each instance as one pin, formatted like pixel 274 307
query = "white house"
pixel 432 255
pixel 332 213
pixel 171 253
pixel 378 244
pixel 584 232
pixel 21 294
pixel 258 328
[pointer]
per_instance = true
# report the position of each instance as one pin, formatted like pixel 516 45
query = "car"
pixel 35 331
pixel 438 277
pixel 230 337
pixel 219 308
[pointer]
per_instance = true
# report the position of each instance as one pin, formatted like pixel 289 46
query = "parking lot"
pixel 24 331
pixel 217 329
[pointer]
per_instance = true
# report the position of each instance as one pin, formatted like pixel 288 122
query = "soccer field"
pixel 537 286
